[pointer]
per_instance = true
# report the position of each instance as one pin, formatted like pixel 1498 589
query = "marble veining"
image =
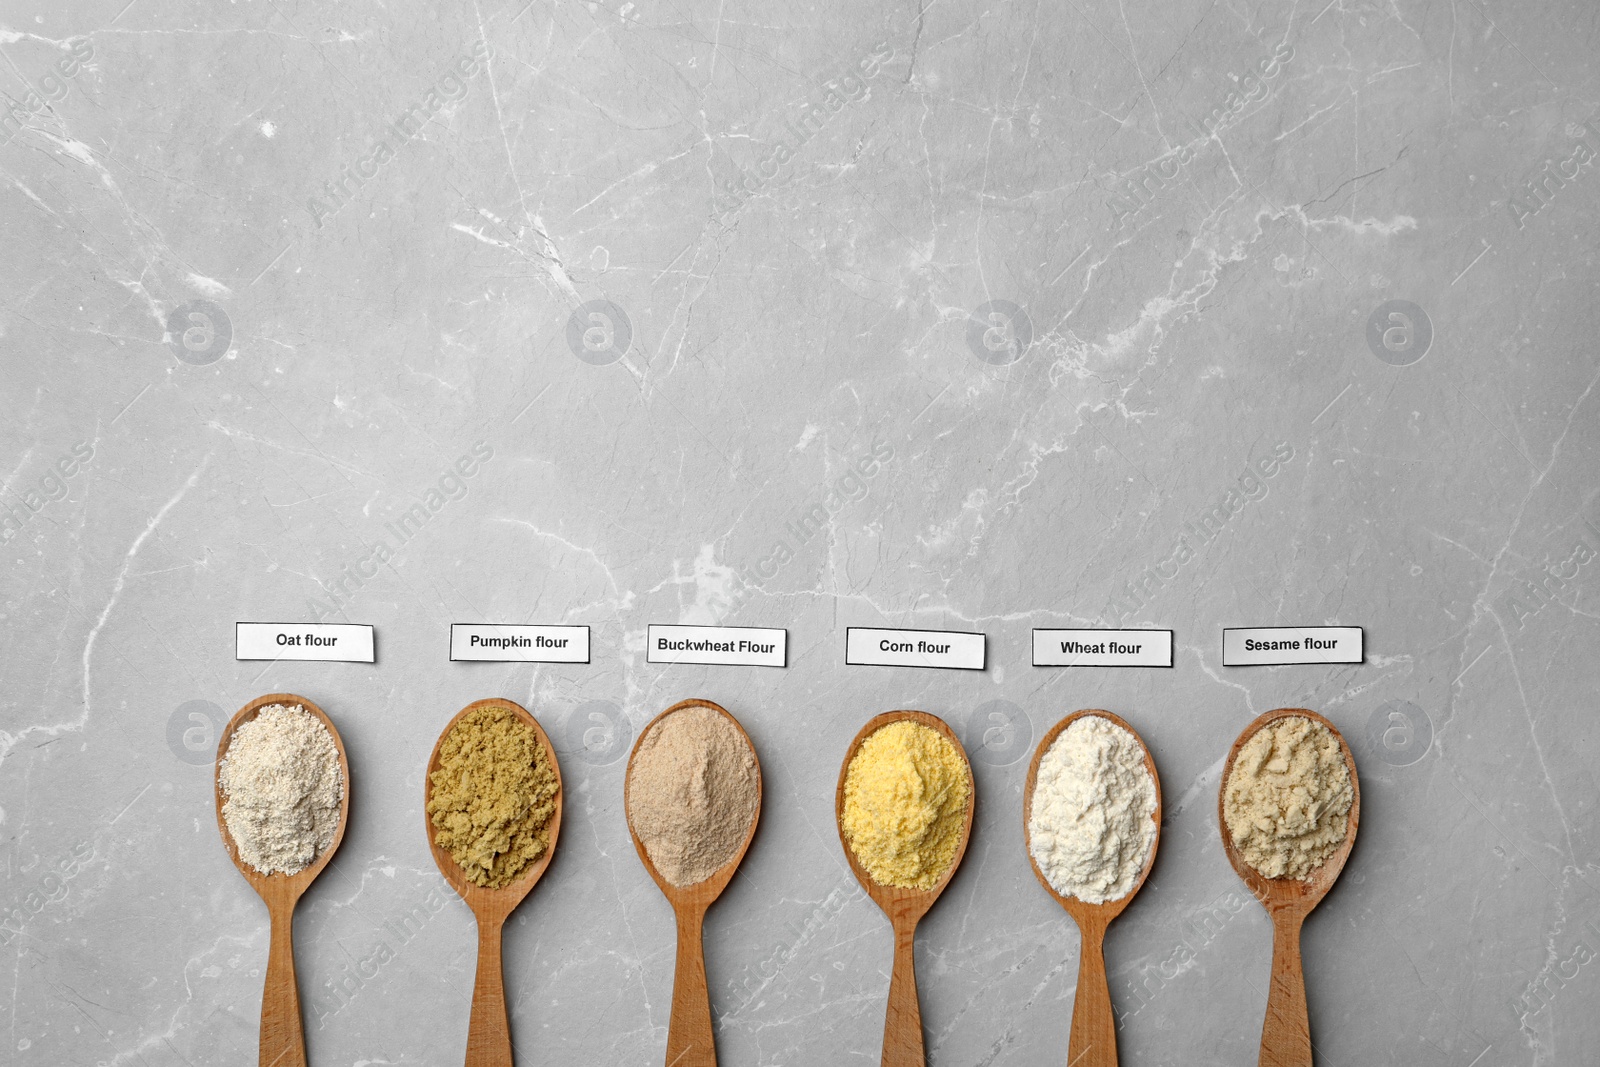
pixel 937 315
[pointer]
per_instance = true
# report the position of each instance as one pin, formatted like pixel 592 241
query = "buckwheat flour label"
pixel 749 646
pixel 1263 646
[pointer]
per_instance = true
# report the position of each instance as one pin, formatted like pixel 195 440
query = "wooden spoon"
pixel 690 1038
pixel 902 1025
pixel 283 1039
pixel 1094 1026
pixel 489 1031
pixel 1286 1033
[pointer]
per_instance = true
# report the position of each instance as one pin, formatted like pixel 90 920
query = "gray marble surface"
pixel 1072 270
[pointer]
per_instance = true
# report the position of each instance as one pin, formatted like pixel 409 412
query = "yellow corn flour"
pixel 493 796
pixel 905 804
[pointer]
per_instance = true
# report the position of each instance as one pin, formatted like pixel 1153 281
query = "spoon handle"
pixel 690 1042
pixel 902 1025
pixel 489 1032
pixel 1286 1034
pixel 1094 1027
pixel 283 1039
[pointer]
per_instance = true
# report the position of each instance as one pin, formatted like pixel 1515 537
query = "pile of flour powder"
pixel 693 790
pixel 1287 801
pixel 1091 828
pixel 282 788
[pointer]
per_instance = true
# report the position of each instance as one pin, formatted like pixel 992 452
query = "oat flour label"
pixel 344 642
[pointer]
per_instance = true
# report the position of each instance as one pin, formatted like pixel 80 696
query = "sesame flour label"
pixel 1261 646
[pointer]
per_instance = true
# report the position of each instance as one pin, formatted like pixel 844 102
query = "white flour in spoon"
pixel 1091 829
pixel 283 790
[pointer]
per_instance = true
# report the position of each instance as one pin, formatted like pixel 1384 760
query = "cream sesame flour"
pixel 282 789
pixel 1287 800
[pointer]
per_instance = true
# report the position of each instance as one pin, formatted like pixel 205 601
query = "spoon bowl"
pixel 903 1044
pixel 489 1031
pixel 690 1038
pixel 1286 1032
pixel 1094 1027
pixel 283 1042
pixel 699 893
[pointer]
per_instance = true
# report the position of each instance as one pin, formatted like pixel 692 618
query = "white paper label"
pixel 510 643
pixel 345 642
pixel 951 649
pixel 1257 646
pixel 1102 648
pixel 748 646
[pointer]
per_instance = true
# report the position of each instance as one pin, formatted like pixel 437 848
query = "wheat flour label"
pixel 1102 648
